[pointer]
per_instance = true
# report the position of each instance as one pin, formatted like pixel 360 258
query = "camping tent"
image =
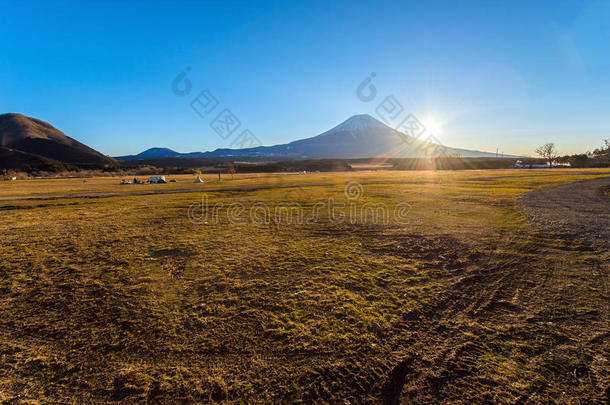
pixel 157 179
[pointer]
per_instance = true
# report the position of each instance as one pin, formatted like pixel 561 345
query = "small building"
pixel 519 164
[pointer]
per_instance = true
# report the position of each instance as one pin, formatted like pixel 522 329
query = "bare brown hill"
pixel 27 142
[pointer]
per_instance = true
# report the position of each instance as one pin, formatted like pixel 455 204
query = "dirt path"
pixel 198 190
pixel 578 210
pixel 180 191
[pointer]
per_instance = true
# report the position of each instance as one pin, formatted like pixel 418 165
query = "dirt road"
pixel 578 210
pixel 244 188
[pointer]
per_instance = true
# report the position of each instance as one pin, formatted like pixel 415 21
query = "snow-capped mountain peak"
pixel 357 124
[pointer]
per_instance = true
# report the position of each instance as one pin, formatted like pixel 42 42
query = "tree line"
pixel 599 157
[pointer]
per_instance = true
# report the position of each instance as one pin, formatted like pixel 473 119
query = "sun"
pixel 433 126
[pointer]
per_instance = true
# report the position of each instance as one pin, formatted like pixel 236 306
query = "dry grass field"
pixel 122 293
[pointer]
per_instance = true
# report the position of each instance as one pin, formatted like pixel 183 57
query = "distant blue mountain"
pixel 153 153
pixel 361 136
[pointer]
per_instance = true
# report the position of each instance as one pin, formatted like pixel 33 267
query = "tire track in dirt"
pixel 509 306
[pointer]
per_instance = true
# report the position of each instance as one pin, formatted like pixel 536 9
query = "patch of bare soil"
pixel 580 210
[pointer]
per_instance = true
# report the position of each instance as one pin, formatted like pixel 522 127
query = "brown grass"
pixel 123 299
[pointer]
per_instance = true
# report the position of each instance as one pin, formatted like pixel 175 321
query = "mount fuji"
pixel 360 136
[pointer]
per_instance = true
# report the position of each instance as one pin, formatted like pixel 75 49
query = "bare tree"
pixel 548 152
pixel 604 150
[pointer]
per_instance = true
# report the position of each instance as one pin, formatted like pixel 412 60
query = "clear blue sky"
pixel 485 75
